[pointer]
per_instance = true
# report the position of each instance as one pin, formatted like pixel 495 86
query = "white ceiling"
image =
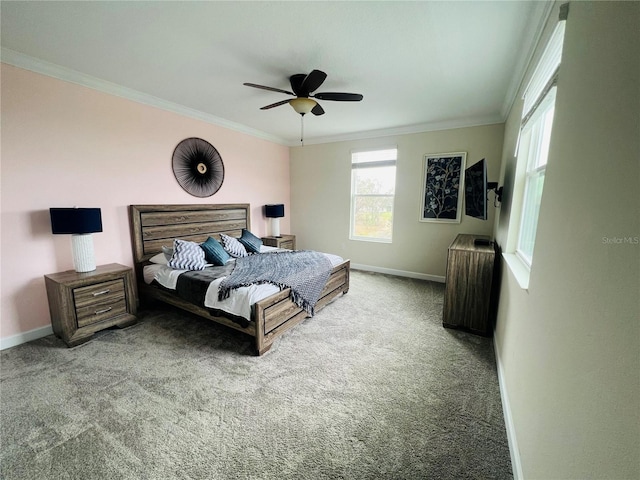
pixel 420 65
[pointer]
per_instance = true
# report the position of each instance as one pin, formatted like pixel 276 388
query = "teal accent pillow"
pixel 214 253
pixel 250 241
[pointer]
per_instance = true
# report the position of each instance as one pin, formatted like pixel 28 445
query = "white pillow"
pixel 160 259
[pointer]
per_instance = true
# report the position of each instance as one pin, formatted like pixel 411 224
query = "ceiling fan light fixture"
pixel 302 105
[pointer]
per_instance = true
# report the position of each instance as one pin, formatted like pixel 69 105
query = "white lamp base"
pixel 275 227
pixel 84 259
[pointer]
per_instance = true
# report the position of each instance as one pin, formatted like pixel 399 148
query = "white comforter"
pixel 239 302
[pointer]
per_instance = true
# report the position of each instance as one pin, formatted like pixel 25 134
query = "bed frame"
pixel 153 226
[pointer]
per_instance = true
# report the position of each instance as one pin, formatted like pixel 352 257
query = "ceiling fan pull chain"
pixel 302 130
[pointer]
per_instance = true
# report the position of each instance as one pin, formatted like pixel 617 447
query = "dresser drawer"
pixel 98 302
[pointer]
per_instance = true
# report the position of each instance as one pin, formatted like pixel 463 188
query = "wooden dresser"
pixel 469 300
pixel 84 303
pixel 284 241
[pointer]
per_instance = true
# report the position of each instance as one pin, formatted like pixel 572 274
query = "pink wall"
pixel 64 145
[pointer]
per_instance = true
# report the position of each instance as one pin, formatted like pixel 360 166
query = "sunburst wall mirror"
pixel 198 167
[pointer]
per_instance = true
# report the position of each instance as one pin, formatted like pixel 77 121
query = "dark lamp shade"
pixel 274 211
pixel 75 220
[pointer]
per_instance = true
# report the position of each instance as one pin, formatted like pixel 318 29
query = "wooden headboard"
pixel 153 226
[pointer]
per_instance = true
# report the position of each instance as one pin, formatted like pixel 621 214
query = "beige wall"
pixel 321 196
pixel 569 347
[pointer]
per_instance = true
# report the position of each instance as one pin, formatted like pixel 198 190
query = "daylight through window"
pixel 373 185
pixel 535 138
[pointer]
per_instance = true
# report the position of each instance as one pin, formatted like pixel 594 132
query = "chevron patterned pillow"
pixel 233 246
pixel 187 256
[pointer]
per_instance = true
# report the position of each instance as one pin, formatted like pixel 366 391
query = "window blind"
pixel 545 71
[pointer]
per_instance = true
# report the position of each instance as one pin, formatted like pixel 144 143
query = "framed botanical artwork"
pixel 442 187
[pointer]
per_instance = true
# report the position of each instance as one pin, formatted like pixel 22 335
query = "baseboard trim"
pixel 398 273
pixel 24 337
pixel 514 451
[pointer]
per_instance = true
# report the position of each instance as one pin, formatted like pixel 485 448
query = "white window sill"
pixel 374 240
pixel 519 269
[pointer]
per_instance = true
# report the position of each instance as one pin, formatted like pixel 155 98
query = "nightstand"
pixel 82 304
pixel 284 241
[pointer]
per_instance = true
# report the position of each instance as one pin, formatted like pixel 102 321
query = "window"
pixel 533 146
pixel 373 186
pixel 535 139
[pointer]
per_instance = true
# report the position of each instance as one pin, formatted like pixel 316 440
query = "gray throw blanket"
pixel 304 272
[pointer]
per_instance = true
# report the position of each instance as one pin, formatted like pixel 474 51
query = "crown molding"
pixel 20 60
pixel 406 130
pixel 542 11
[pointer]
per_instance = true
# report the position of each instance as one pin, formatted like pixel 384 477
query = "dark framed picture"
pixel 442 187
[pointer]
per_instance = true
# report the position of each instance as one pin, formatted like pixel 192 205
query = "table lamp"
pixel 80 223
pixel 274 212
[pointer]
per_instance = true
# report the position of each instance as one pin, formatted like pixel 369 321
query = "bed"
pixel 155 226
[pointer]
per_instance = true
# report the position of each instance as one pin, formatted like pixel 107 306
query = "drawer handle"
pixel 104 310
pixel 103 292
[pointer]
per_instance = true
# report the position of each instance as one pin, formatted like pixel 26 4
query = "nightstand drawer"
pixel 99 313
pixel 99 302
pixel 287 244
pixel 284 241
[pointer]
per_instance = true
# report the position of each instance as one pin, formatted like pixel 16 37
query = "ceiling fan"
pixel 303 86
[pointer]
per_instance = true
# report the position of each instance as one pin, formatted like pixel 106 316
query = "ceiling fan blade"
pixel 296 83
pixel 268 88
pixel 339 96
pixel 313 81
pixel 277 104
pixel 317 110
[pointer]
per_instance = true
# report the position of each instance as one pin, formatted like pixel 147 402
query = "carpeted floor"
pixel 372 387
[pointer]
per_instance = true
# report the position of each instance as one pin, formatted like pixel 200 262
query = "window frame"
pixel 534 146
pixel 355 166
pixel 538 96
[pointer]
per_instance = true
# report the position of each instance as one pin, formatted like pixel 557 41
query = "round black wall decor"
pixel 198 167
